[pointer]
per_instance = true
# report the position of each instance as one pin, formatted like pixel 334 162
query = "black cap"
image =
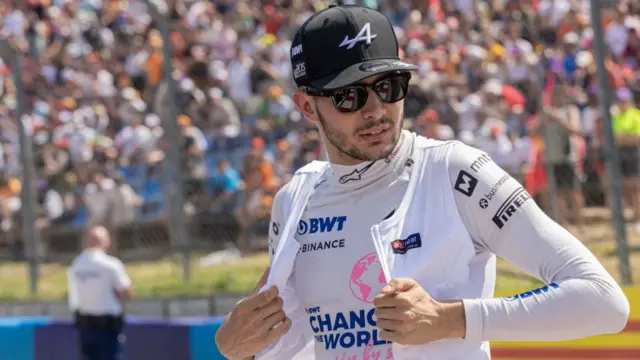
pixel 342 45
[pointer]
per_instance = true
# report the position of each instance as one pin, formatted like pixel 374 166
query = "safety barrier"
pixel 147 338
pixel 43 338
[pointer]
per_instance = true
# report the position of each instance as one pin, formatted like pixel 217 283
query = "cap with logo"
pixel 343 45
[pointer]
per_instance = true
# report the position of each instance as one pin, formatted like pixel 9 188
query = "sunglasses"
pixel 390 89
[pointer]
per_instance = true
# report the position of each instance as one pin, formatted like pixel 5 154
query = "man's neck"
pixel 336 157
pixel 365 172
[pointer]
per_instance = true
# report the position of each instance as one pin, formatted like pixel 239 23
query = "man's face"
pixel 624 104
pixel 368 134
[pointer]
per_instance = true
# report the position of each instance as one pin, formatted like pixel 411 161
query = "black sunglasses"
pixel 390 89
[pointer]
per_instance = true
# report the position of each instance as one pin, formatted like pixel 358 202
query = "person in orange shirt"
pixel 9 190
pixel 257 161
pixel 155 60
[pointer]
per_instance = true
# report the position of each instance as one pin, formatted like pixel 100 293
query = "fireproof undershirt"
pixel 337 270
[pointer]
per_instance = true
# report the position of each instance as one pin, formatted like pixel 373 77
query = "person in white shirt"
pixel 98 283
pixel 349 281
pixel 616 34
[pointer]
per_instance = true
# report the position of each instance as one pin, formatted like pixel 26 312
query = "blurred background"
pixel 184 172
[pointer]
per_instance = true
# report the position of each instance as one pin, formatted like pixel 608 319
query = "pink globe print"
pixel 366 278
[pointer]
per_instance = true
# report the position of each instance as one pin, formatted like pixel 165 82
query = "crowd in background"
pixel 516 78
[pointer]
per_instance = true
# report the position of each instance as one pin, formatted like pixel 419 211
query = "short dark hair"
pixel 198 70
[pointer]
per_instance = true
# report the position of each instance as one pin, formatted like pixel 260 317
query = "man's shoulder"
pixel 287 190
pixel 453 152
pixel 111 262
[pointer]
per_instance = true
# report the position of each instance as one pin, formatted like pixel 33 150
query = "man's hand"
pixel 255 323
pixel 406 314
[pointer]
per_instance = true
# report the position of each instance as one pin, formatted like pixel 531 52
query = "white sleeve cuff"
pixel 473 316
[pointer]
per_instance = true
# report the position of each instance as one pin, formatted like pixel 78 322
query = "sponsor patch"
pixel 321 225
pixel 480 162
pixel 401 246
pixel 510 206
pixel 296 50
pixel 484 202
pixel 466 183
pixel 538 291
pixel 300 70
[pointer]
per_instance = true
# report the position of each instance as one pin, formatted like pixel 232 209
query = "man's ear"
pixel 306 105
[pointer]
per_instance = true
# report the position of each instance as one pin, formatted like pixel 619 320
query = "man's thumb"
pixel 399 285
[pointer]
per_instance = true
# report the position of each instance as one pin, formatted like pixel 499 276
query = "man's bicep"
pixel 502 218
pixel 486 196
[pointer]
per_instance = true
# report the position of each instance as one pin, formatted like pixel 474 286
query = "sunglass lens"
pixel 392 89
pixel 350 99
pixel 355 97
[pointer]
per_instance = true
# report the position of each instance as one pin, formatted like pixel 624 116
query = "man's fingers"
pixel 384 301
pixel 262 281
pixel 390 325
pixel 399 285
pixel 389 314
pixel 258 300
pixel 278 331
pixel 271 308
pixel 402 299
pixel 272 320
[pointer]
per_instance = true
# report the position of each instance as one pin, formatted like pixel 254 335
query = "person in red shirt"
pixel 273 19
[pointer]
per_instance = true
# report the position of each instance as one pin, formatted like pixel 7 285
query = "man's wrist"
pixel 453 319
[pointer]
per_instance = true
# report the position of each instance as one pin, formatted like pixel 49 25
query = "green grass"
pixel 163 278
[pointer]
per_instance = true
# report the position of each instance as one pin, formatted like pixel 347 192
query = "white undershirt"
pixel 357 277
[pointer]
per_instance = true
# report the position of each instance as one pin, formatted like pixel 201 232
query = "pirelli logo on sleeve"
pixel 510 206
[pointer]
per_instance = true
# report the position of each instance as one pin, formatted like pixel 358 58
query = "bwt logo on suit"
pixel 321 225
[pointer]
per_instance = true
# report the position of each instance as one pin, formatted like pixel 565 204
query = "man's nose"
pixel 373 109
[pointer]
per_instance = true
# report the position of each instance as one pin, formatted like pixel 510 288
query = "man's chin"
pixel 379 152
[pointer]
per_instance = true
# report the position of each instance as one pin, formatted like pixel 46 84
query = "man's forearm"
pixel 573 309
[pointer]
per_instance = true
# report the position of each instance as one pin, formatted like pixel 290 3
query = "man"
pixel 393 255
pixel 98 283
pixel 626 129
pixel 226 185
pixel 560 125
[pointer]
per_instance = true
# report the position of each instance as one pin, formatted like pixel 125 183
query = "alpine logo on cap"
pixel 363 35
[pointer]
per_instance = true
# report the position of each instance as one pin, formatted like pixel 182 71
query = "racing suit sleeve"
pixel 581 299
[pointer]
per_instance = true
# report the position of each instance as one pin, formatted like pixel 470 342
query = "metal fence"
pixel 185 229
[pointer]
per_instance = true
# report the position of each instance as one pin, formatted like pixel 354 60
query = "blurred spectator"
pixel 225 187
pixel 9 202
pixel 626 128
pixel 560 123
pixel 123 204
pixel 97 195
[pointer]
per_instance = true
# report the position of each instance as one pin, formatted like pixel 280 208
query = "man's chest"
pixel 337 260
